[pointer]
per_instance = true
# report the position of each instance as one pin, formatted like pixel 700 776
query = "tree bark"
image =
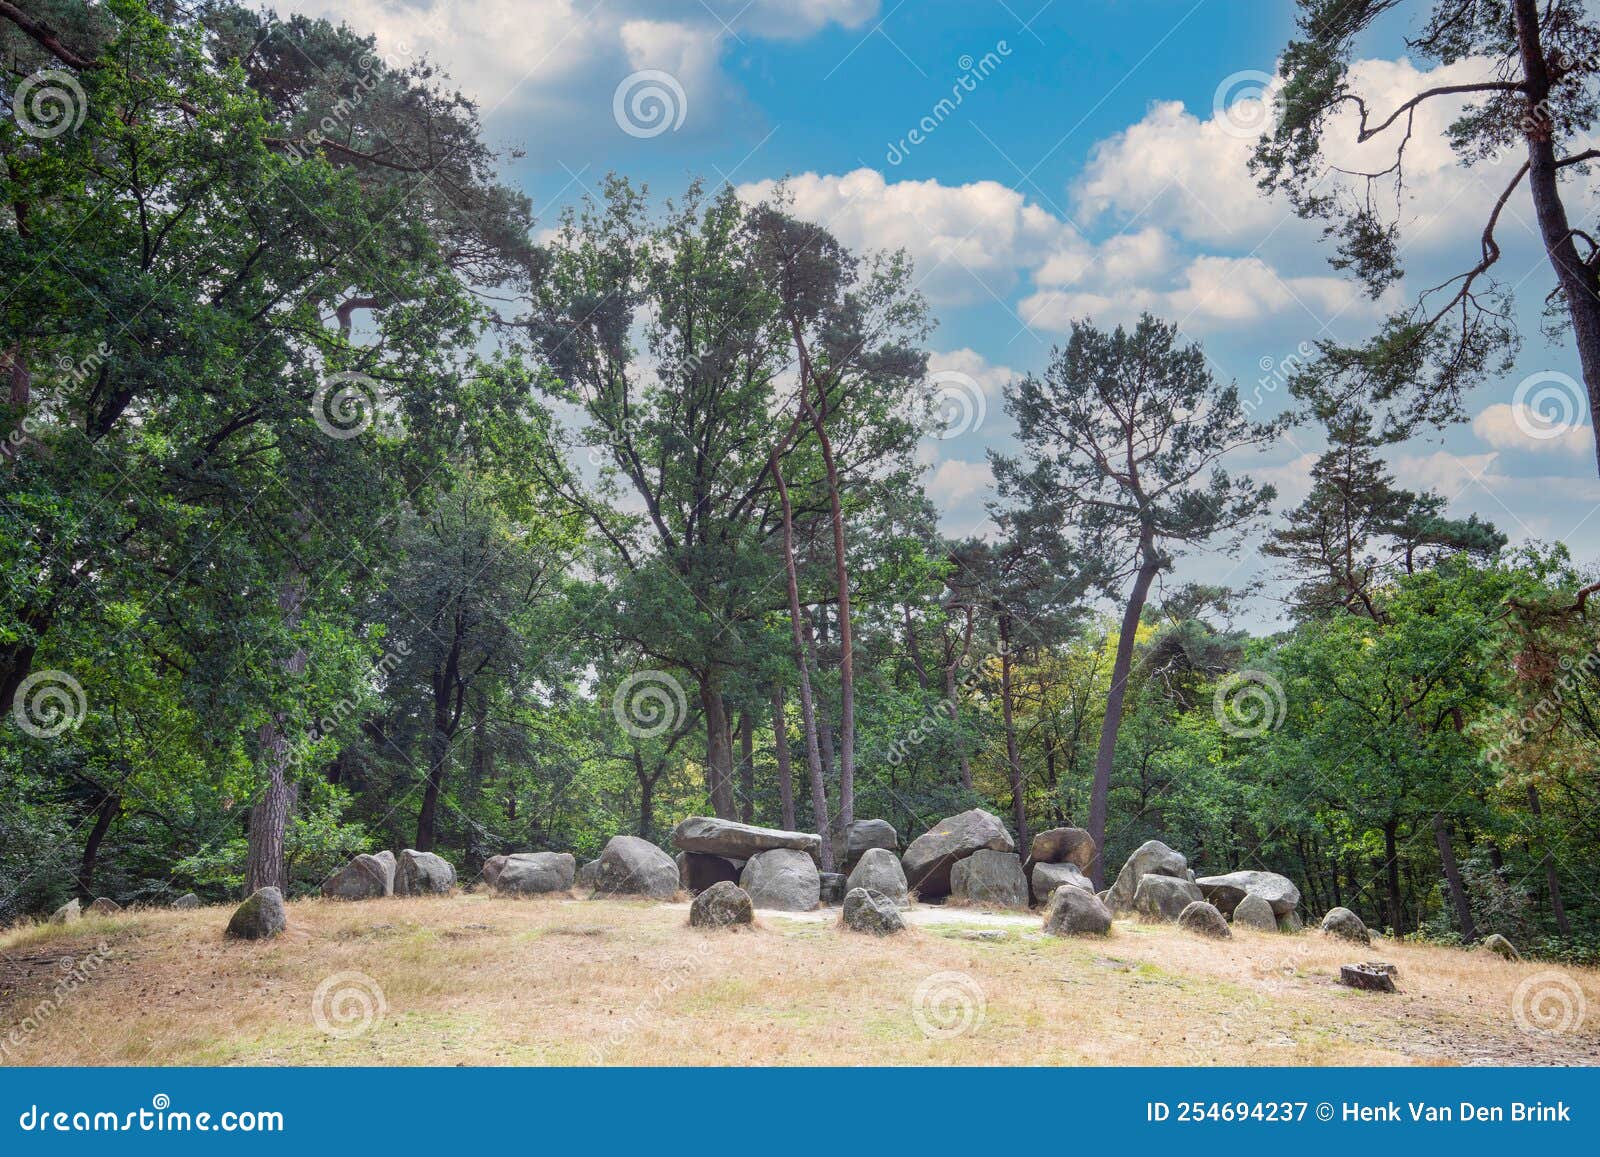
pixel 1100 796
pixel 266 864
pixel 104 813
pixel 1019 803
pixel 1452 876
pixel 1577 280
pixel 847 666
pixel 1391 869
pixel 780 749
pixel 719 751
pixel 1552 881
pixel 747 767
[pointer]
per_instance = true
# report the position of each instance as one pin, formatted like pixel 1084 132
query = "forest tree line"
pixel 339 514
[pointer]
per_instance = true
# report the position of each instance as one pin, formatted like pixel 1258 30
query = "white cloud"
pixel 954 482
pixel 1516 426
pixel 991 379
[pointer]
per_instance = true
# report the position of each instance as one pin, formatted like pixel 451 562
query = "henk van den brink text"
pixel 1462 1111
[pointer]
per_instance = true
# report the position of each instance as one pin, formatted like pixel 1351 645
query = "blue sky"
pixel 1093 165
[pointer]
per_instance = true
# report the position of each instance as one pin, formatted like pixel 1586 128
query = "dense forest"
pixel 346 506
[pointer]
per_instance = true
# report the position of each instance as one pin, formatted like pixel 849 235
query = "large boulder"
pixel 862 836
pixel 1226 891
pixel 715 837
pixel 363 878
pixel 1346 925
pixel 1500 946
pixel 1203 917
pixel 930 857
pixel 722 905
pixel 990 878
pixel 187 900
pixel 1062 846
pixel 423 874
pixel 879 871
pixel 1075 912
pixel 68 912
pixel 260 917
pixel 697 871
pixel 1162 899
pixel 1254 912
pixel 1047 877
pixel 536 873
pixel 782 879
pixel 631 866
pixel 1151 858
pixel 868 910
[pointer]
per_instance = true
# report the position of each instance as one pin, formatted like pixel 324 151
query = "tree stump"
pixel 1372 976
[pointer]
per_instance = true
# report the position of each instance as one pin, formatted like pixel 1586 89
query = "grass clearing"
pixel 480 980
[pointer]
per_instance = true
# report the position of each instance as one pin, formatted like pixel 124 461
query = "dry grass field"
pixel 476 980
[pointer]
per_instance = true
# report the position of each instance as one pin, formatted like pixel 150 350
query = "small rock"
pixel 1346 925
pixel 861 837
pixel 723 905
pixel 879 870
pixel 1370 977
pixel 991 879
pixel 587 875
pixel 1203 917
pixel 1501 947
pixel 260 917
pixel 187 900
pixel 68 912
pixel 866 910
pixel 104 906
pixel 1254 912
pixel 1074 912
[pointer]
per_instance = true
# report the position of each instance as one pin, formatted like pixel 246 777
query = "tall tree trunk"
pixel 802 662
pixel 1552 881
pixel 1452 876
pixel 719 750
pixel 780 750
pixel 104 813
pixel 747 767
pixel 438 749
pixel 952 700
pixel 847 665
pixel 1019 803
pixel 647 796
pixel 1578 281
pixel 1391 869
pixel 1100 796
pixel 266 864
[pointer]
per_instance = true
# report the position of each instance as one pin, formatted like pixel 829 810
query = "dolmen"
pixel 933 855
pixel 776 868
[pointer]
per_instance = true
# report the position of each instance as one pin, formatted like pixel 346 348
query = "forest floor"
pixel 479 980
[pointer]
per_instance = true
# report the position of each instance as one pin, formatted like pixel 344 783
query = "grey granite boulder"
pixel 867 910
pixel 587 875
pixel 1500 946
pixel 1062 846
pixel 1346 925
pixel 187 900
pixel 423 874
pixel 1226 891
pixel 1075 912
pixel 879 870
pixel 722 905
pixel 363 878
pixel 1202 917
pixel 261 917
pixel 1150 858
pixel 536 873
pixel 1047 877
pixel 631 866
pixel 68 912
pixel 782 879
pixel 1163 898
pixel 990 878
pixel 861 836
pixel 1254 912
pixel 933 854
pixel 715 837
